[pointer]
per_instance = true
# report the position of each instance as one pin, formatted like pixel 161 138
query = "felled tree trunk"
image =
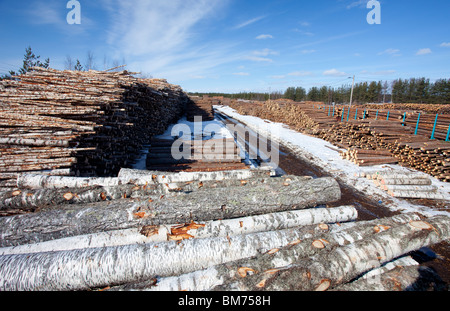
pixel 212 204
pixel 220 228
pixel 29 200
pixel 345 263
pixel 402 275
pixel 229 276
pixel 99 267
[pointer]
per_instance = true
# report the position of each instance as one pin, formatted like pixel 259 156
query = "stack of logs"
pixel 81 123
pixel 235 230
pixel 199 108
pixel 405 185
pixel 370 139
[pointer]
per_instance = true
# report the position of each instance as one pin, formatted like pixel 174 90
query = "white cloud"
pixel 359 3
pixel 265 52
pixel 248 22
pixel 241 74
pixel 160 37
pixel 445 44
pixel 305 33
pixel 307 51
pixel 424 51
pixel 278 77
pixel 300 73
pixel 262 37
pixel 334 73
pixel 259 59
pixel 394 52
pixel 141 27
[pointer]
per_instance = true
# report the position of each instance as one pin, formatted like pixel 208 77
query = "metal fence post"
pixel 387 118
pixel 343 111
pixel 376 118
pixel 448 134
pixel 434 127
pixel 417 125
pixel 348 113
pixel 356 113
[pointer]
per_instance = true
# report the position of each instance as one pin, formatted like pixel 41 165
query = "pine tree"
pixel 78 66
pixel 31 60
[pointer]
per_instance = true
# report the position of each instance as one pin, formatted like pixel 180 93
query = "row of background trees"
pixel 414 90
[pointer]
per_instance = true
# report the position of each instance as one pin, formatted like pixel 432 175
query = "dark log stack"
pixel 81 123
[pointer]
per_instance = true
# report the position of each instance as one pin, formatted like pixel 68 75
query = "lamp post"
pixel 351 95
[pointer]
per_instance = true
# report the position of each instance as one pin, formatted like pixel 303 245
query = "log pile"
pixel 194 155
pixel 406 185
pixel 81 123
pixel 369 138
pixel 206 231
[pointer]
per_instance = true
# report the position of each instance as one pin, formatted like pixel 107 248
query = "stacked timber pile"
pixel 431 108
pixel 84 123
pixel 211 231
pixel 194 155
pixel 363 157
pixel 406 185
pixel 386 142
pixel 200 107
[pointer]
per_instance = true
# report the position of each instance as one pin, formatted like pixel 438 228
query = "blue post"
pixel 434 127
pixel 343 111
pixel 376 118
pixel 404 118
pixel 348 113
pixel 448 134
pixel 356 113
pixel 364 115
pixel 387 118
pixel 333 110
pixel 329 110
pixel 417 125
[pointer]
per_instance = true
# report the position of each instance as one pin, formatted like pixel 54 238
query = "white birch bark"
pixel 220 228
pixel 211 204
pixel 418 195
pixel 347 262
pixel 320 242
pixel 98 267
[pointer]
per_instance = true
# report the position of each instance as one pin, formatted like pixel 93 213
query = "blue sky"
pixel 237 45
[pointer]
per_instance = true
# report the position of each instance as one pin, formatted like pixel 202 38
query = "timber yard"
pixel 273 195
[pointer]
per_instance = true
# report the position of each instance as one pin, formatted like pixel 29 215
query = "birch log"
pixel 213 204
pixel 228 276
pixel 403 274
pixel 347 262
pixel 99 267
pixel 28 200
pixel 220 228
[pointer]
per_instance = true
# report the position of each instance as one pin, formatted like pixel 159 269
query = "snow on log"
pixel 220 228
pixel 211 204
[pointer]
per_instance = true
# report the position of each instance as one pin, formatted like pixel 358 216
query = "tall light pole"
pixel 351 95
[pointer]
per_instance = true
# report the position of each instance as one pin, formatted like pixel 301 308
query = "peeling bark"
pixel 100 267
pixel 211 204
pixel 226 276
pixel 221 228
pixel 346 263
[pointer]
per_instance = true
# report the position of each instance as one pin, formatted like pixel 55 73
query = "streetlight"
pixel 351 95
